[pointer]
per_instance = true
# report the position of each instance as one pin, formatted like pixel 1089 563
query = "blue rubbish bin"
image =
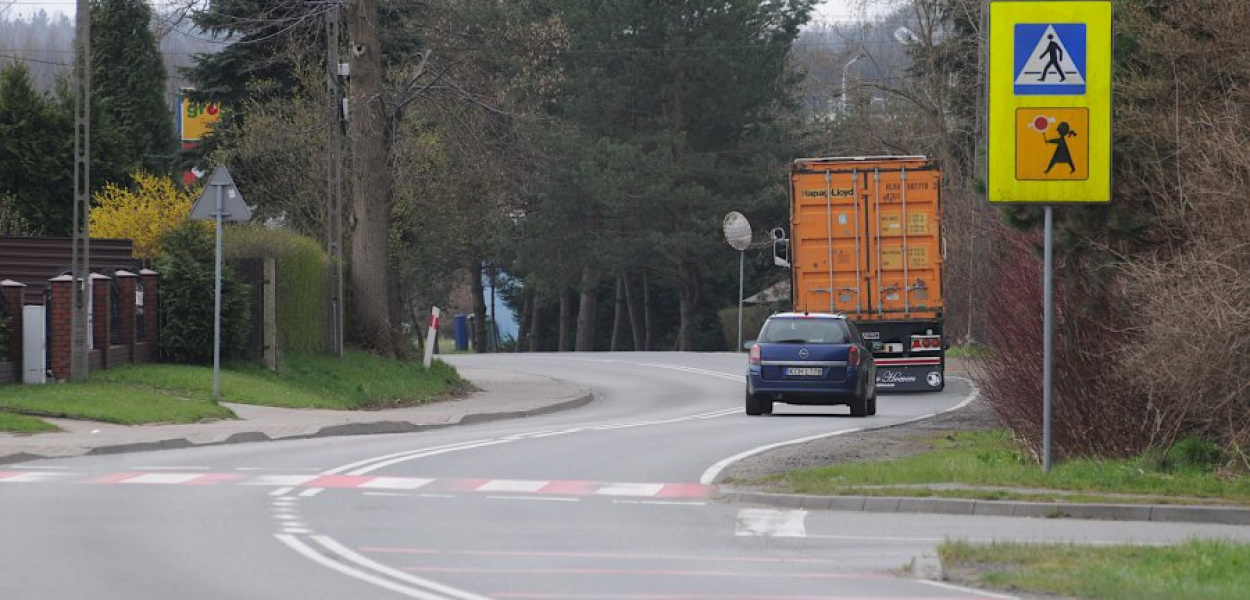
pixel 462 332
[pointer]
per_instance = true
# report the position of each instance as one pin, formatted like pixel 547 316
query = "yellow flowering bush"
pixel 154 206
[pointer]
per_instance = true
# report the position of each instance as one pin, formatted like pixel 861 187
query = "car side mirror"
pixel 781 253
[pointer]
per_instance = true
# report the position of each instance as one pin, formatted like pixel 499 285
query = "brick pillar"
pixel 61 322
pixel 100 317
pixel 151 306
pixel 128 282
pixel 13 293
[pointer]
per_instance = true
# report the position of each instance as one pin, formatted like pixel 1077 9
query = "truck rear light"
pixel 852 357
pixel 754 357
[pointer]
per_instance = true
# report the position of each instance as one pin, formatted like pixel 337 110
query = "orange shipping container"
pixel 866 237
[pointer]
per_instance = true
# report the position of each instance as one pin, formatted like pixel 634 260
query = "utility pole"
pixel 81 245
pixel 334 179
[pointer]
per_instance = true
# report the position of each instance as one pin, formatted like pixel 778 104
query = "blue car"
pixel 812 359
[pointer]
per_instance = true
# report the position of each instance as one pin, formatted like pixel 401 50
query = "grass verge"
pixel 1195 570
pixel 14 423
pixel 163 393
pixel 990 465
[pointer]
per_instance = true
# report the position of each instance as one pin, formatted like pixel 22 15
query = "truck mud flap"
pixel 910 378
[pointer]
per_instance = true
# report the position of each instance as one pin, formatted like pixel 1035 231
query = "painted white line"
pixel 164 478
pixel 394 461
pixel 35 467
pixel 169 468
pixel 303 549
pixel 762 522
pixel 313 469
pixel 395 483
pixel 535 498
pixel 282 491
pixel 432 586
pixel 512 485
pixel 389 495
pixel 629 489
pixel 710 475
pixel 286 517
pixel 32 477
pixel 297 531
pixel 958 588
pixel 368 461
pixel 310 492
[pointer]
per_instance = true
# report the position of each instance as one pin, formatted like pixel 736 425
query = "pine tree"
pixel 129 76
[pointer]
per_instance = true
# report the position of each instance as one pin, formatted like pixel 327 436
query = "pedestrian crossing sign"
pixel 1049 98
pixel 1050 59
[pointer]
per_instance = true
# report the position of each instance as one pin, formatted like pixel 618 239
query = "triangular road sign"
pixel 1055 61
pixel 232 206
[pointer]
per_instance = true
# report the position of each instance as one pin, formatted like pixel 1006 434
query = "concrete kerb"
pixel 580 398
pixel 1223 515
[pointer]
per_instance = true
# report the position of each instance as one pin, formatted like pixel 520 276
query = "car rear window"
pixel 805 331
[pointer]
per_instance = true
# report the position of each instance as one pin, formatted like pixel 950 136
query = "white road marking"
pixel 710 475
pixel 432 586
pixel 281 480
pixel 965 590
pixel 395 483
pixel 32 477
pixel 310 492
pixel 659 502
pixel 169 468
pixel 34 467
pixel 629 489
pixel 304 550
pixel 512 485
pixel 282 491
pixel 762 522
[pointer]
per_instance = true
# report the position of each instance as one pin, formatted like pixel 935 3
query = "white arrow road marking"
pixel 762 522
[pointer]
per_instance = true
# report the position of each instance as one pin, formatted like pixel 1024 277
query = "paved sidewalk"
pixel 501 395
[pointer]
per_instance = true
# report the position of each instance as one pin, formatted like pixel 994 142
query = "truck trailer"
pixel 866 240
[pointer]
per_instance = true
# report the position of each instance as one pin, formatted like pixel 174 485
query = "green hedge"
pixel 302 283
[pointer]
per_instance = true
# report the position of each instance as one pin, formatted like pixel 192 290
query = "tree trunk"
pixel 536 324
pixel 527 314
pixel 566 319
pixel 587 309
pixel 688 280
pixel 618 315
pixel 479 309
pixel 371 185
pixel 635 319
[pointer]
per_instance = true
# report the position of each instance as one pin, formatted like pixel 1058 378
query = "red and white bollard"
pixel 431 337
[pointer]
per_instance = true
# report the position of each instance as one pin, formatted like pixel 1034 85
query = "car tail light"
pixel 755 355
pixel 852 357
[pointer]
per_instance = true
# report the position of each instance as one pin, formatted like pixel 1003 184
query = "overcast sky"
pixel 829 10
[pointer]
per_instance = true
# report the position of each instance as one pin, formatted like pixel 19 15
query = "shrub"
pixel 302 311
pixel 187 298
pixel 143 214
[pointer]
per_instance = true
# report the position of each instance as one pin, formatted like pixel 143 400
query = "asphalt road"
pixel 611 500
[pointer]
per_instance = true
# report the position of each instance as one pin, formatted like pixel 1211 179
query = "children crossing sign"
pixel 1049 101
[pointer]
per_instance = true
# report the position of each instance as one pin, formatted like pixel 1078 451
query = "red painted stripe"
pixel 338 481
pixel 904 362
pixel 684 490
pixel 7 474
pixel 212 478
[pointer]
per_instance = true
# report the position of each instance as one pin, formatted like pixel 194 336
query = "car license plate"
pixel 804 371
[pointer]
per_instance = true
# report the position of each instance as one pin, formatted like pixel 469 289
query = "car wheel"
pixel 859 406
pixel 758 404
pixel 872 405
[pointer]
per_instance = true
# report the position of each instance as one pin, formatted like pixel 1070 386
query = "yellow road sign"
pixel 1049 101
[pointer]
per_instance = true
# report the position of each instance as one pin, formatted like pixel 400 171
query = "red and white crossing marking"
pixel 375 483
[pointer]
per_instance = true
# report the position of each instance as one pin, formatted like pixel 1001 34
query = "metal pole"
pixel 1048 334
pixel 741 276
pixel 334 209
pixel 217 305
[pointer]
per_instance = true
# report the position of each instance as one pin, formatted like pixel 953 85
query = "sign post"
pixel 226 205
pixel 738 236
pixel 1049 134
pixel 431 337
